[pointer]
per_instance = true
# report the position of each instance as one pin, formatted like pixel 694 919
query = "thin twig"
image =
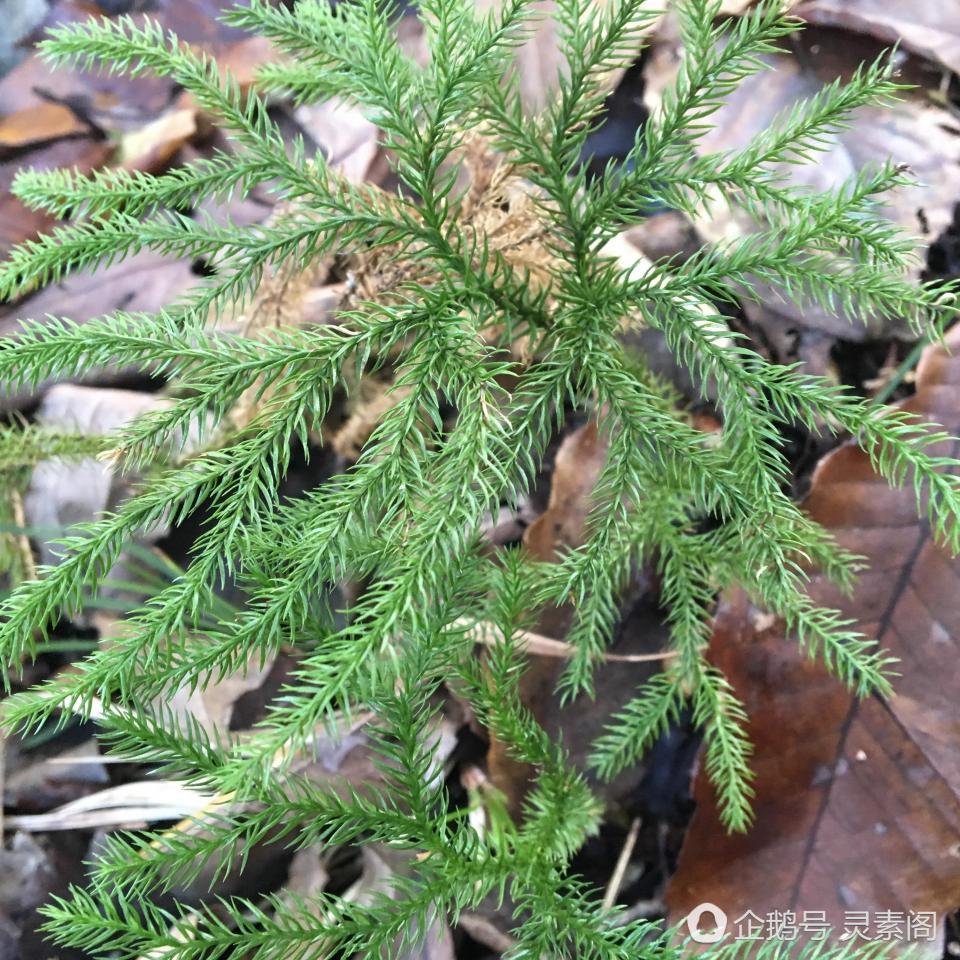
pixel 18 515
pixel 487 634
pixel 623 861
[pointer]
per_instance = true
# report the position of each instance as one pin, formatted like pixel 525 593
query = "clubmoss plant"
pixel 508 322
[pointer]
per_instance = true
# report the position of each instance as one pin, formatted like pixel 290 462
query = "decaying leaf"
pixel 858 803
pixel 930 28
pixel 152 146
pixel 39 124
pixel 126 804
pixel 65 114
pixel 378 866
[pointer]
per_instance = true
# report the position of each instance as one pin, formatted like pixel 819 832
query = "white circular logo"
pixel 699 935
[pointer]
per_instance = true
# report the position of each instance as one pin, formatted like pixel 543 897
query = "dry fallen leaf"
pixel 858 803
pixel 576 470
pixel 930 28
pixel 347 138
pixel 17 223
pixel 39 124
pixel 152 146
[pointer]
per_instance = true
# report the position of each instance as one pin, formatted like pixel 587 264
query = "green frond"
pixel 639 725
pixel 66 193
pixel 24 447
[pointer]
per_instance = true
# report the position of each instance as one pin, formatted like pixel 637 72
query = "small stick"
pixel 22 540
pixel 537 643
pixel 616 879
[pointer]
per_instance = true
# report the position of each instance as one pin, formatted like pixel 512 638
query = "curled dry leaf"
pixel 128 803
pixel 930 28
pixel 858 802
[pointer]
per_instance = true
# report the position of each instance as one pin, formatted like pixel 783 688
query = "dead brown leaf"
pixel 930 28
pixel 152 146
pixel 858 803
pixel 734 7
pixel 17 223
pixel 39 124
pixel 576 470
pixel 212 707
